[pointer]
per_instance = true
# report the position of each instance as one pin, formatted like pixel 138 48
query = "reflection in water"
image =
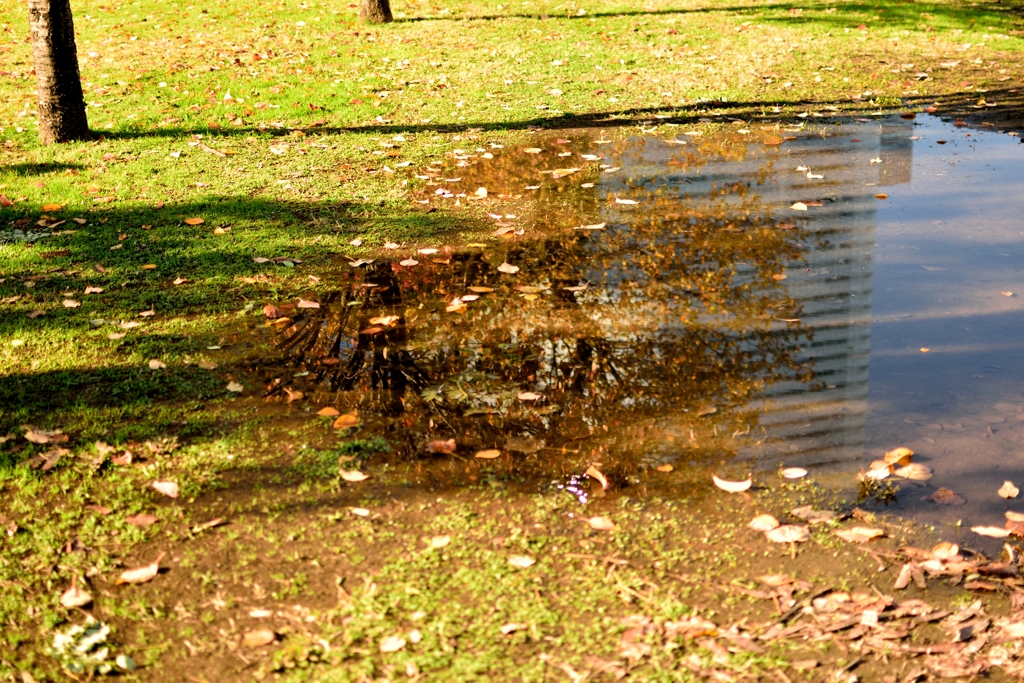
pixel 707 317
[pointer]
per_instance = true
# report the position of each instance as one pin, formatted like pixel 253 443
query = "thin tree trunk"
pixel 375 11
pixel 61 104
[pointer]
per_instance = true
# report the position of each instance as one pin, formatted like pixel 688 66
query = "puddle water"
pixel 715 303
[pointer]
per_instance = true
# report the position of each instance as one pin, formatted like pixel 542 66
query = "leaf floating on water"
pixel 779 277
pixel 521 561
pixel 665 468
pixel 627 202
pixel 1008 490
pixel 915 472
pixel 168 488
pixel 346 421
pixel 596 226
pixel 733 486
pixel 597 475
pixel 789 533
pixel 899 456
pixel 793 473
pixel 508 268
pixel 353 475
pixel 442 447
pixel 991 531
pixel 1014 516
pixel 773 140
pixel 764 523
pixel 811 515
pixel 881 195
pixel 602 524
pixel 945 496
pixel 799 206
pixel 328 412
pixel 859 534
pixel 489 454
pixel 259 638
pixel 141 574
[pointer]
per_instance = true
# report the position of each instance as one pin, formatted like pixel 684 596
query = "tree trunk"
pixel 61 104
pixel 375 11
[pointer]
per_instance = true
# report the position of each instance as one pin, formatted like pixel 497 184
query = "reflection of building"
pixel 825 422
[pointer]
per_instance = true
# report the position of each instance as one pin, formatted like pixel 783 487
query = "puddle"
pixel 712 303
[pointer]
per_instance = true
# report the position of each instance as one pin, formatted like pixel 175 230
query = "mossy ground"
pixel 284 126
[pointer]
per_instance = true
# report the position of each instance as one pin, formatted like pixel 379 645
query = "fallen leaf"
pixel 361 512
pixel 392 643
pixel 528 396
pixel 409 262
pixel 353 475
pixel 794 473
pixel 533 150
pixel 168 488
pixel 925 349
pixel 148 266
pixel 945 551
pixel 991 531
pixel 141 519
pixel 602 524
pixel 859 534
pixel 1007 293
pixel 812 515
pixel 207 365
pixel 308 304
pixel 508 268
pixel 627 202
pixel 595 226
pixel 155 364
pixel 773 140
pixel 489 454
pixel 346 421
pixel 881 195
pixel 596 474
pixel 140 574
pixel 733 486
pixel 779 277
pixel 259 638
pixel 272 312
pixel 788 533
pixel 945 496
pixel 75 597
pixel 194 221
pixel 385 320
pixel 665 468
pixel 915 471
pixel 440 541
pixel 763 523
pixel 71 303
pixel 293 395
pixel 439 446
pixel 93 290
pixel 521 561
pixel 52 207
pixel 799 206
pixel 1008 490
pixel 899 456
pixel 512 627
pixel 328 412
pixel 235 387
pixel 480 290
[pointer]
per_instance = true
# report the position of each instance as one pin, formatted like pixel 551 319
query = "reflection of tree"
pixel 680 316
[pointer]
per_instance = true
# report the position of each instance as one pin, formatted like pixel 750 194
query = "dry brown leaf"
pixel 789 533
pixel 207 365
pixel 141 519
pixel 859 534
pixel 308 304
pixel 944 496
pixel 489 454
pixel 899 456
pixel 764 523
pixel 665 468
pixel 168 488
pixel 598 475
pixel 194 221
pixel 441 446
pixel 347 421
pixel 328 412
pixel 602 524
pixel 353 476
pixel 75 597
pixel 141 574
pixel 259 638
pixel 733 486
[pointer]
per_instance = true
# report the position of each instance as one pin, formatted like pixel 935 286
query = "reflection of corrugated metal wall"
pixel 825 423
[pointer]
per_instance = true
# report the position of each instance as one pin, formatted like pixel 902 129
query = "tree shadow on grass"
pixel 1008 110
pixel 34 169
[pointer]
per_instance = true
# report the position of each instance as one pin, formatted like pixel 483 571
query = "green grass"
pixel 293 165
